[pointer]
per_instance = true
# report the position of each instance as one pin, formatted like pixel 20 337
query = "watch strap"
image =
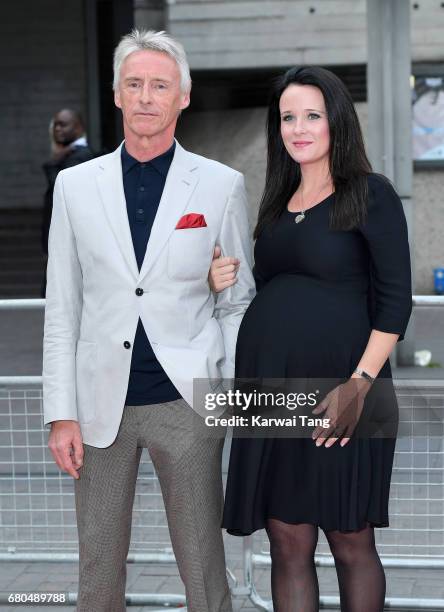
pixel 364 374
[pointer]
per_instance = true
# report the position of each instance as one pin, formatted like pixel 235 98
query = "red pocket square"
pixel 191 220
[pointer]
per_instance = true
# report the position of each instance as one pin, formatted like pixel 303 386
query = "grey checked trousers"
pixel 188 465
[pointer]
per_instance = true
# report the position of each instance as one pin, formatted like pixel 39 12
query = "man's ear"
pixel 185 102
pixel 117 98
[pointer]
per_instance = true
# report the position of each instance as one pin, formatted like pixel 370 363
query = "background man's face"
pixel 66 128
pixel 149 93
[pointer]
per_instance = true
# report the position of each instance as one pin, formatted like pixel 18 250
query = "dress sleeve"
pixel 385 232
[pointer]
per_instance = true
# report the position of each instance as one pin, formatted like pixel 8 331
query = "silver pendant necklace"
pixel 301 215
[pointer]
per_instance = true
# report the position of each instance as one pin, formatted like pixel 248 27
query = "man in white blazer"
pixel 130 322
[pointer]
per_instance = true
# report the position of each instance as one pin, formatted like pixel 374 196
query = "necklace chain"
pixel 304 208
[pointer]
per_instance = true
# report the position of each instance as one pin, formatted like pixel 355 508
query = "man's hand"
pixel 66 446
pixel 223 271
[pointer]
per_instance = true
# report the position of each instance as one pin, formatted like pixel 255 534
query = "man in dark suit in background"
pixel 69 148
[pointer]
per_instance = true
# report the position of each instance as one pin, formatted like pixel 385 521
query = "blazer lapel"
pixel 179 186
pixel 110 183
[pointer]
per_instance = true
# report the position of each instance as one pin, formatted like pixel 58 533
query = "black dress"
pixel 320 293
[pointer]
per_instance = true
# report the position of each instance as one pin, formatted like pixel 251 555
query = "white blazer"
pixel 92 308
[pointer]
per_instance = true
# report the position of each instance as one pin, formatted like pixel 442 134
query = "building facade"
pixel 57 55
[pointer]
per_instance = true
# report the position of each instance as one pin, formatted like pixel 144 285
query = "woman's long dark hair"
pixel 348 161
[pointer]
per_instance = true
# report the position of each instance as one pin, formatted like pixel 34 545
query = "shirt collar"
pixel 161 163
pixel 80 142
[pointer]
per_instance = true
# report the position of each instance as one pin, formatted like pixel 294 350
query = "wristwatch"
pixel 364 374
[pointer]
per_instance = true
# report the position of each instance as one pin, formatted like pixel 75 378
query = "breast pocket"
pixel 189 254
pixel 86 365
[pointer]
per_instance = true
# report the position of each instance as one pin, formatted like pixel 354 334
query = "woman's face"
pixel 304 124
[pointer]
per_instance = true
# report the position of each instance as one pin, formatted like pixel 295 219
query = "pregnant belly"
pixel 300 326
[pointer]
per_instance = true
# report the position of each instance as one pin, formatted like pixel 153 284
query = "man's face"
pixel 66 128
pixel 149 93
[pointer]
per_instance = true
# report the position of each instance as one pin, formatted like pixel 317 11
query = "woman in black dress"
pixel 332 269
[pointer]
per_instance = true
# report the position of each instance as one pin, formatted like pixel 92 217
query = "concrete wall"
pixel 42 64
pixel 150 14
pixel 250 33
pixel 237 138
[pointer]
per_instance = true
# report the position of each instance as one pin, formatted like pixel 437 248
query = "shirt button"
pixel 127 344
pixel 143 165
pixel 139 291
pixel 142 188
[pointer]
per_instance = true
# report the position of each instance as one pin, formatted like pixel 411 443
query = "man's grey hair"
pixel 149 40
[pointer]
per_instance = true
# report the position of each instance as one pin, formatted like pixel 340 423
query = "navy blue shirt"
pixel 143 184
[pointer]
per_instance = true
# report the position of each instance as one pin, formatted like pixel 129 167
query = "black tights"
pixel 294 582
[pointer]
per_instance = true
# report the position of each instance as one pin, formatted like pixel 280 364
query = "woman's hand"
pixel 223 271
pixel 343 407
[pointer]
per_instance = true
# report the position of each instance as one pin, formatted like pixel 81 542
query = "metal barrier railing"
pixel 37 516
pixel 37 511
pixel 37 520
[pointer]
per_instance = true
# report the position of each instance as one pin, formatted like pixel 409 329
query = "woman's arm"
pixel 378 349
pixel 385 233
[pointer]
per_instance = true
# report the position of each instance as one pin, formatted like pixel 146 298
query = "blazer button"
pixel 127 344
pixel 139 291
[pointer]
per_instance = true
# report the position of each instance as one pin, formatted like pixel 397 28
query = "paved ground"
pixel 42 577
